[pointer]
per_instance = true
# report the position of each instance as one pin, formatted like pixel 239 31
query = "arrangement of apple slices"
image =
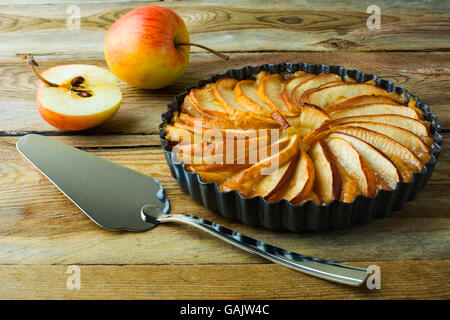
pixel 299 137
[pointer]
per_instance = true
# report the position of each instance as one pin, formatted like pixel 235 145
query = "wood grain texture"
pixel 426 75
pixel 42 232
pixel 38 224
pixel 243 26
pixel 399 280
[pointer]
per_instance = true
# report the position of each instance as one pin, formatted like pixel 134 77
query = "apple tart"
pixel 335 138
pixel 299 136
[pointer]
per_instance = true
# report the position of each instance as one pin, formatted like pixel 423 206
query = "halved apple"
pixel 92 101
pixel 386 173
pixel 374 109
pixel 328 184
pixel 354 165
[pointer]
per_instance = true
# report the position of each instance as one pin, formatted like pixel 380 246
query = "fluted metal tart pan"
pixel 309 216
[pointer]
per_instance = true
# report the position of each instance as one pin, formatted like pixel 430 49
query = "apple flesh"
pixel 73 110
pixel 141 47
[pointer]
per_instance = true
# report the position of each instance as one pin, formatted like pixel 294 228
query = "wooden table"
pixel 42 232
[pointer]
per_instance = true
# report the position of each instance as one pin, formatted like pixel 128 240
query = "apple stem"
pixel 223 56
pixel 31 64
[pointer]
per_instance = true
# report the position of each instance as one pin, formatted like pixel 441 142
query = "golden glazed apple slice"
pixel 314 83
pixel 224 93
pixel 386 173
pixel 268 184
pixel 328 182
pixel 312 116
pixel 300 183
pixel 361 100
pixel 246 156
pixel 404 137
pixel 331 95
pixel 354 165
pixel 212 176
pixel 269 91
pixel 415 126
pixel 374 109
pixel 244 180
pixel 402 157
pixel 243 123
pixel 205 100
pixel 290 85
pixel 245 93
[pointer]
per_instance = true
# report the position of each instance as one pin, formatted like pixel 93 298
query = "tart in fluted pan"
pixel 299 136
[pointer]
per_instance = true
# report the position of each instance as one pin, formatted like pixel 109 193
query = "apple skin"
pixel 72 122
pixel 140 47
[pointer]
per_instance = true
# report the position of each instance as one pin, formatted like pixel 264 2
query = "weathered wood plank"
pixel 423 74
pixel 40 225
pixel 399 280
pixel 245 26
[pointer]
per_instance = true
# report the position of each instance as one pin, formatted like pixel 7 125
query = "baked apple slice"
pixel 328 182
pixel 386 173
pixel 244 181
pixel 206 176
pixel 224 93
pixel 331 95
pixel 415 126
pixel 312 116
pixel 314 83
pixel 360 100
pixel 179 135
pixel 243 123
pixel 269 91
pixel 190 108
pixel 401 156
pixel 354 166
pixel 300 183
pixel 205 100
pixel 404 137
pixel 250 154
pixel 270 183
pixel 373 109
pixel 245 94
pixel 289 87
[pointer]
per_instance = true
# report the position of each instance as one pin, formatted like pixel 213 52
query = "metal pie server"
pixel 118 198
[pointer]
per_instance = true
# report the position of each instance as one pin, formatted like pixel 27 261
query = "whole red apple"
pixel 141 47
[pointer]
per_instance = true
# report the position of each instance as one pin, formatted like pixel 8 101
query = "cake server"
pixel 118 198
